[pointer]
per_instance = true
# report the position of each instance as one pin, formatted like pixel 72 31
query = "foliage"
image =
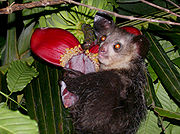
pixel 164 68
pixel 73 17
pixel 42 94
pixel 19 75
pixel 13 122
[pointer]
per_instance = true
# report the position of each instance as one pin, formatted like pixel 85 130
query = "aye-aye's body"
pixel 111 101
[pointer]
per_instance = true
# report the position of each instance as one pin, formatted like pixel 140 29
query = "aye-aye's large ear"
pixel 142 44
pixel 103 24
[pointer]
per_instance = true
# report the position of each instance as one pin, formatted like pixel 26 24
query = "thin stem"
pixel 122 16
pixel 7 96
pixel 16 7
pixel 173 3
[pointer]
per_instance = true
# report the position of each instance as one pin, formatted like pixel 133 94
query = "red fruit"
pixel 50 43
pixel 61 48
pixel 132 30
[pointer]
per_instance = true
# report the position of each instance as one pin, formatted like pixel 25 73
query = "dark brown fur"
pixel 111 101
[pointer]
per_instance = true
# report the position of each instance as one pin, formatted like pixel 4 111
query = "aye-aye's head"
pixel 118 48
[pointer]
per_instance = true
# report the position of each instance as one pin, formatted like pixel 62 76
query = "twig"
pixel 161 8
pixel 122 16
pixel 173 3
pixel 16 7
pixel 7 97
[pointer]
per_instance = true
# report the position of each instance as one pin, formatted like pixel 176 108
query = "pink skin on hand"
pixel 68 98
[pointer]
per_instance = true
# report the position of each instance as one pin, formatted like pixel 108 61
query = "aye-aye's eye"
pixel 117 46
pixel 103 38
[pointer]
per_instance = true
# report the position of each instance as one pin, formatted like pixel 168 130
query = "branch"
pixel 122 16
pixel 161 8
pixel 173 3
pixel 16 7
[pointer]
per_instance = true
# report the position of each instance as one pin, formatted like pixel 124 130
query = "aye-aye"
pixel 111 101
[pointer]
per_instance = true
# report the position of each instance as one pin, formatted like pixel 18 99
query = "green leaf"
pixel 24 41
pixel 166 113
pixel 171 34
pixel 7 97
pixel 42 21
pixel 172 129
pixel 72 18
pixel 19 75
pixel 3 105
pixel 28 60
pixel 150 95
pixel 10 52
pixel 13 122
pixel 176 61
pixel 43 101
pixel 132 7
pixel 149 126
pixel 30 12
pixel 4 68
pixel 164 68
pixel 168 105
pixel 166 101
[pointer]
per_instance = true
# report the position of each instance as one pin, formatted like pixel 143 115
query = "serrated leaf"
pixel 19 75
pixel 28 60
pixel 164 68
pixel 13 122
